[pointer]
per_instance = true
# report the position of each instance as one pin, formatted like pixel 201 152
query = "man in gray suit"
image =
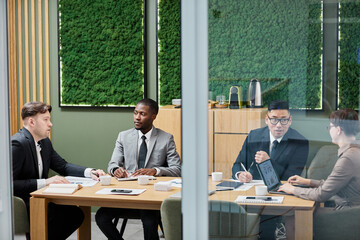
pixel 143 150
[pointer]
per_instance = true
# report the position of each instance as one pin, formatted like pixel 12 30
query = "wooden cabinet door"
pixel 169 120
pixel 226 150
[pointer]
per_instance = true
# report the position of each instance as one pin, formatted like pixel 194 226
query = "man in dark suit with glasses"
pixel 286 148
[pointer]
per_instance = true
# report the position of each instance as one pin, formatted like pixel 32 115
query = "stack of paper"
pixel 85 182
pixel 131 178
pixel 62 188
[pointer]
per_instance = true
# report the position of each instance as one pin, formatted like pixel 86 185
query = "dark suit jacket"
pixel 25 163
pixel 290 156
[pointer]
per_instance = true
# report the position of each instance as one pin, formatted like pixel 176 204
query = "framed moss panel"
pixel 278 42
pixel 349 55
pixel 101 52
pixel 169 55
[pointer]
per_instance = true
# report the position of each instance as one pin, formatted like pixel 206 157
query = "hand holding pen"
pixel 96 173
pixel 244 176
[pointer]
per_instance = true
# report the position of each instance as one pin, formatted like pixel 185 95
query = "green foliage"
pixel 349 69
pixel 268 40
pixel 169 50
pixel 276 42
pixel 101 52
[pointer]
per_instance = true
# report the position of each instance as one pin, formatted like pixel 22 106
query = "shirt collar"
pixel 147 135
pixel 37 145
pixel 272 138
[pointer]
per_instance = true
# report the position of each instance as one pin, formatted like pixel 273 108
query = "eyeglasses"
pixel 329 127
pixel 274 121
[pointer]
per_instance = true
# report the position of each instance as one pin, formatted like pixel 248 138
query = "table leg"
pixel 38 218
pixel 84 231
pixel 304 224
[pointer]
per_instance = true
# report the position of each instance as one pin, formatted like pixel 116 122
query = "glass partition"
pixel 305 52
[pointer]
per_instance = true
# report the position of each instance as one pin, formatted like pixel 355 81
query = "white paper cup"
pixel 216 176
pixel 105 180
pixel 260 190
pixel 143 179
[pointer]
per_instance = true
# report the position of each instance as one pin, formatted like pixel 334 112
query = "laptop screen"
pixel 268 174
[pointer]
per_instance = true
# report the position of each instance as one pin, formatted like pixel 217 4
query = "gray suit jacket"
pixel 161 153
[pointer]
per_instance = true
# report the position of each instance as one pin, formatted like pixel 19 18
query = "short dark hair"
pixel 154 107
pixel 347 119
pixel 32 108
pixel 278 105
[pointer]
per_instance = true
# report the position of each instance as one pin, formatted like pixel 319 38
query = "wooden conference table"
pixel 301 210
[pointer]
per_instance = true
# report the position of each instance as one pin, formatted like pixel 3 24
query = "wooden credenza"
pixel 228 129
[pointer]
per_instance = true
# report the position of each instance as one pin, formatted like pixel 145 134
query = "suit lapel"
pixel 265 142
pixel 31 143
pixel 153 139
pixel 282 146
pixel 132 138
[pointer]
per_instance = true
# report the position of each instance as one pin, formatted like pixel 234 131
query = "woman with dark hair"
pixel 344 181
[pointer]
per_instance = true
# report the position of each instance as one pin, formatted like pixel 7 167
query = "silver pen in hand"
pixel 243 167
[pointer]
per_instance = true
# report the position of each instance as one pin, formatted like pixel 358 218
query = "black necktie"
pixel 273 149
pixel 142 153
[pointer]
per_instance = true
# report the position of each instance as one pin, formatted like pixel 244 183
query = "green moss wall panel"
pixel 169 50
pixel 278 42
pixel 349 69
pixel 101 52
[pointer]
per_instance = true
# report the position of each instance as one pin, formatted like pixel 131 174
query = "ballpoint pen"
pixel 243 167
pixel 95 173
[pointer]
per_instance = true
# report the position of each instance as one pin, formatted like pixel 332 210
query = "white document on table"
pixel 134 178
pixel 247 186
pixel 259 199
pixel 85 182
pixel 109 191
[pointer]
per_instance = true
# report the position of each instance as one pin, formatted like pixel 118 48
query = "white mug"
pixel 216 176
pixel 105 180
pixel 261 190
pixel 143 179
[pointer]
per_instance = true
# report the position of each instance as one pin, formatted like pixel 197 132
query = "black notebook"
pixel 228 185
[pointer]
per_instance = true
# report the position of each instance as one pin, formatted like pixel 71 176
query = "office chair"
pixel 323 163
pixel 340 224
pixel 21 218
pixel 226 220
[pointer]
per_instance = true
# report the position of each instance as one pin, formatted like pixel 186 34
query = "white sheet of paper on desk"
pixel 108 191
pixel 247 186
pixel 85 182
pixel 134 178
pixel 242 199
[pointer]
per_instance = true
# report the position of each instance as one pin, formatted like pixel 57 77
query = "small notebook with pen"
pixel 228 185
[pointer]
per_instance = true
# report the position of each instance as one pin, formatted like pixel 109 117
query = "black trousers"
pixel 267 226
pixel 150 220
pixel 63 220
